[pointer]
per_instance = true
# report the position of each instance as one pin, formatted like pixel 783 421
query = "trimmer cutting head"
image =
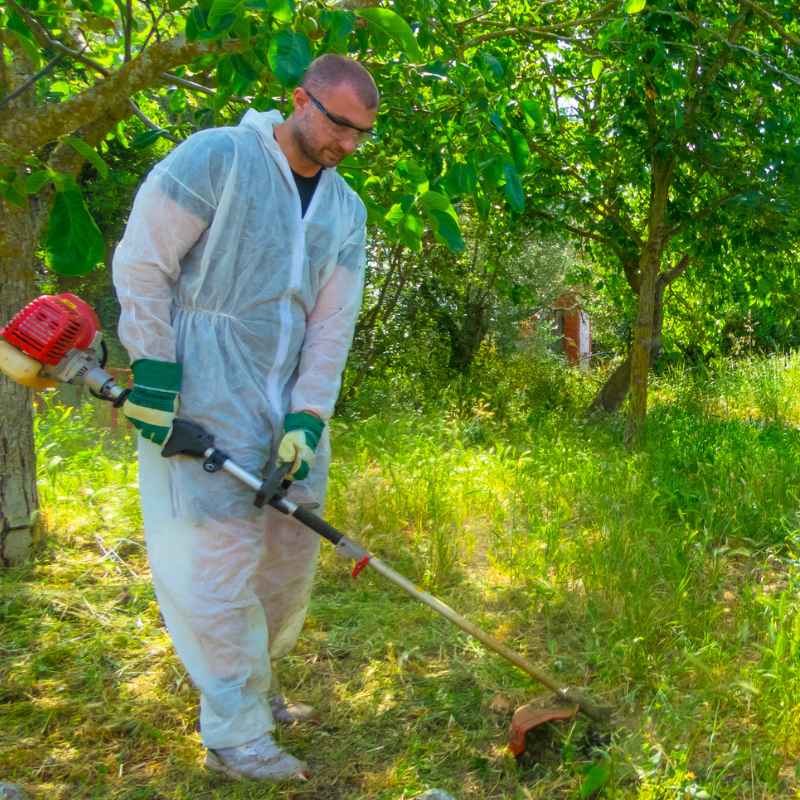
pixel 531 716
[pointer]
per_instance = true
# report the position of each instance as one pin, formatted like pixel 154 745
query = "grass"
pixel 664 581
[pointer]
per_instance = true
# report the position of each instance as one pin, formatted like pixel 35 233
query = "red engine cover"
pixel 52 325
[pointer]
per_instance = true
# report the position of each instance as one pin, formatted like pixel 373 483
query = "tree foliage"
pixel 663 136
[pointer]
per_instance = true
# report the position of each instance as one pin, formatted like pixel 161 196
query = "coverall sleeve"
pixel 171 211
pixel 330 327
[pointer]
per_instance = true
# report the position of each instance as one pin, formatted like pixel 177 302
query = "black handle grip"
pixel 317 524
pixel 272 484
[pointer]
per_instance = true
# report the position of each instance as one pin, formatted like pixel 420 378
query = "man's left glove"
pixel 302 432
pixel 153 403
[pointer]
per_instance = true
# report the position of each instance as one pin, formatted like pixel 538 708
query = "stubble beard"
pixel 312 153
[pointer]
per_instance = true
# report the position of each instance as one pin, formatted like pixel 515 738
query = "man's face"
pixel 326 123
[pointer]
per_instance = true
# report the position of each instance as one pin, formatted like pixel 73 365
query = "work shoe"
pixel 288 713
pixel 259 760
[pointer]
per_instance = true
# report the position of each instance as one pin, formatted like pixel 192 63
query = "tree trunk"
pixel 466 337
pixel 642 344
pixel 615 389
pixel 18 497
pixel 643 334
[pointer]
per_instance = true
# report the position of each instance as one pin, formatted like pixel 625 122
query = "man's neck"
pixel 298 161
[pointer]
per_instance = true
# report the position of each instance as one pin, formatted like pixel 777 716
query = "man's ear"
pixel 300 98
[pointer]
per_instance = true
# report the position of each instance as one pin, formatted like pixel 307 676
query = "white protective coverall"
pixel 219 271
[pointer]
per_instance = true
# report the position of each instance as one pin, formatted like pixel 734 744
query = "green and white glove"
pixel 153 403
pixel 302 432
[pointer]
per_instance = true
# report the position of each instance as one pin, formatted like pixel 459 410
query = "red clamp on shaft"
pixel 359 566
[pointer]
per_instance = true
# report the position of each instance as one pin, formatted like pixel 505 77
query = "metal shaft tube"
pixel 352 550
pixel 486 639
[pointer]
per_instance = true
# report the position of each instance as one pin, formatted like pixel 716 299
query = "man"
pixel 240 277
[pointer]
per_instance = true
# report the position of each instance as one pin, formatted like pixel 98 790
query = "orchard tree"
pixel 662 135
pixel 669 136
pixel 73 75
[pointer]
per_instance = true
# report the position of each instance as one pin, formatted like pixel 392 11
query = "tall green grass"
pixel 665 581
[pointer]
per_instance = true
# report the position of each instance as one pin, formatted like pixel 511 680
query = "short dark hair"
pixel 332 70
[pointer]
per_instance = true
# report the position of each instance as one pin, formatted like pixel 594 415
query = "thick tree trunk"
pixel 642 343
pixel 643 334
pixel 18 497
pixel 467 335
pixel 615 389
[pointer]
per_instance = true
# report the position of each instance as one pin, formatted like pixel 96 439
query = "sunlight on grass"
pixel 665 581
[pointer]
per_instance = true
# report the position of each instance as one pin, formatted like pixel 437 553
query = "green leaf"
pixel 10 191
pixel 74 242
pixel 491 171
pixel 28 45
pixel 595 779
pixel 89 153
pixel 146 138
pixel 483 205
pixel 533 113
pixel 494 65
pixel 289 56
pixel 394 214
pixel 281 10
pixel 220 9
pixel 513 189
pixel 192 29
pixel 225 71
pixel 436 201
pixel 460 179
pixel 392 24
pixel 36 181
pixel 119 133
pixel 635 6
pixel 597 68
pixel 20 31
pixel 449 231
pixel 520 151
pixel 339 25
pixel 60 87
pixel 194 21
pixel 410 231
pixel 243 68
pixel 177 101
pixel 411 171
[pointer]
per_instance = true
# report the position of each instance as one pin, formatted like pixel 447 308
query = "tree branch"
pixel 600 14
pixel 28 83
pixel 705 76
pixel 670 275
pixel 581 232
pixel 150 124
pixel 46 124
pixel 44 38
pixel 529 34
pixel 171 77
pixel 128 28
pixel 154 27
pixel 773 22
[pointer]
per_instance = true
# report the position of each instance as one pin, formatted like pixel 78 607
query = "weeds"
pixel 665 581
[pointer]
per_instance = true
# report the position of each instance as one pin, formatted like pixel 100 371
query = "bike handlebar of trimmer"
pixel 190 439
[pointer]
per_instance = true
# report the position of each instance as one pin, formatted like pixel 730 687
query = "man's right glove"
pixel 302 434
pixel 153 403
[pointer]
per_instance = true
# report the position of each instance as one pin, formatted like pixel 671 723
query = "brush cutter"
pixel 56 338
